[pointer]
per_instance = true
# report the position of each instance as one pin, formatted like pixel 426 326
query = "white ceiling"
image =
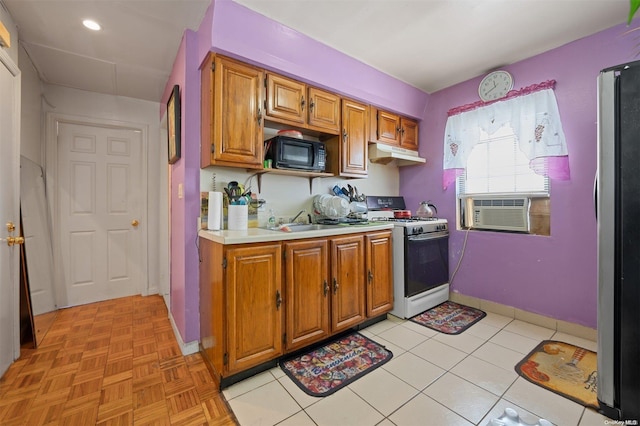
pixel 133 54
pixel 430 44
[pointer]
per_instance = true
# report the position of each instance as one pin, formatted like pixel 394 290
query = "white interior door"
pixel 100 207
pixel 9 210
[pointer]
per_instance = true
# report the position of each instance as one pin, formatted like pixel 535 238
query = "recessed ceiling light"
pixel 91 24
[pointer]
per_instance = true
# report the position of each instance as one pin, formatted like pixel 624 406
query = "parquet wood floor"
pixel 111 363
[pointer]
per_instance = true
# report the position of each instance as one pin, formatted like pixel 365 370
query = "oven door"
pixel 426 262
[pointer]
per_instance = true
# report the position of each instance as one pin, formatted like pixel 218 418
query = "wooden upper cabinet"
pixel 232 113
pixel 388 128
pixel 409 134
pixel 392 129
pixel 293 103
pixel 379 269
pixel 323 110
pixel 355 116
pixel 254 305
pixel 286 99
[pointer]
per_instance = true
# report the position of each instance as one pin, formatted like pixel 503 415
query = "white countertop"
pixel 261 235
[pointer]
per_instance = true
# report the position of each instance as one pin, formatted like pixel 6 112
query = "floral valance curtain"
pixel 532 113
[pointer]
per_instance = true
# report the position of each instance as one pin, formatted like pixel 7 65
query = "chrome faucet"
pixel 296 216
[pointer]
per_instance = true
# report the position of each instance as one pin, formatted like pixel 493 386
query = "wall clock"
pixel 495 85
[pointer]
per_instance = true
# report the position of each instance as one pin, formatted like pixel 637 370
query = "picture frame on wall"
pixel 173 124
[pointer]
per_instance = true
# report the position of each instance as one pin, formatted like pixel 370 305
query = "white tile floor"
pixel 433 379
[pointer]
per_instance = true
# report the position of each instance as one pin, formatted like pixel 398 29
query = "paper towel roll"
pixel 214 219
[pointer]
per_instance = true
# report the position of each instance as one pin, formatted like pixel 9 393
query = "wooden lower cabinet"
pixel 257 304
pixel 307 292
pixel 254 305
pixel 347 279
pixel 379 265
pixel 241 307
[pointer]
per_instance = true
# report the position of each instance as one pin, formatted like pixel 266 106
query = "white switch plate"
pixel 180 191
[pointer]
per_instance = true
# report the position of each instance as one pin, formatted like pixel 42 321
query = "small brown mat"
pixel 568 370
pixel 449 317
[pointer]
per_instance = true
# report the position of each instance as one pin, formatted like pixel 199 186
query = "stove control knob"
pixel 421 230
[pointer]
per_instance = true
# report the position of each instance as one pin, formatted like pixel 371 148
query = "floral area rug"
pixel 568 370
pixel 449 317
pixel 328 368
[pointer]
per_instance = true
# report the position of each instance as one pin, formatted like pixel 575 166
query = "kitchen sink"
pixel 300 227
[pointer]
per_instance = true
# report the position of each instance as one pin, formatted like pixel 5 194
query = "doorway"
pixel 97 181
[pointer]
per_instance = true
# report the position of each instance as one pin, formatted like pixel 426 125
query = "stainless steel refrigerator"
pixel 618 213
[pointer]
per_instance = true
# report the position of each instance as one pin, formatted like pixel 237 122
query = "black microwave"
pixel 296 154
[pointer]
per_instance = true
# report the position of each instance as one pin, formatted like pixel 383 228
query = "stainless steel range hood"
pixel 384 154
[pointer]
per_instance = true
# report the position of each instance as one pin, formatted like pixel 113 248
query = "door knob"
pixel 14 240
pixel 135 223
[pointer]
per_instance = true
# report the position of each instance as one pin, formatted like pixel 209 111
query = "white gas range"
pixel 420 256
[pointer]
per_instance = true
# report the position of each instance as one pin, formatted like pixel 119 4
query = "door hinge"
pixel 284 254
pixel 225 358
pixel 265 104
pixel 224 263
pixel 213 148
pixel 265 81
pixel 213 66
pixel 284 338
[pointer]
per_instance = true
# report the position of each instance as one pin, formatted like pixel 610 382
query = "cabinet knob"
pixel 326 288
pixel 370 276
pixel 311 105
pixel 335 286
pixel 344 135
pixel 278 300
pixel 259 116
pixel 302 103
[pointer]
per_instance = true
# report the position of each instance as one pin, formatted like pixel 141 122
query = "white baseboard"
pixel 530 317
pixel 186 348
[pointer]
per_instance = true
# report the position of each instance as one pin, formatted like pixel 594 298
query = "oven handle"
pixel 428 236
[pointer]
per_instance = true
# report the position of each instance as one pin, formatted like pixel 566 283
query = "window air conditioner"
pixel 507 214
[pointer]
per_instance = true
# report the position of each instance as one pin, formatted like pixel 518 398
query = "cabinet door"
pixel 409 134
pixel 285 99
pixel 379 263
pixel 354 138
pixel 347 282
pixel 254 311
pixel 324 111
pixel 307 292
pixel 388 128
pixel 232 122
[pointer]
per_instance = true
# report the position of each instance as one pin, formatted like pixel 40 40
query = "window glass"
pixel 496 165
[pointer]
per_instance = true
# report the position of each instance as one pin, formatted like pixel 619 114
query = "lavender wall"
pixel 184 211
pixel 554 276
pixel 243 33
